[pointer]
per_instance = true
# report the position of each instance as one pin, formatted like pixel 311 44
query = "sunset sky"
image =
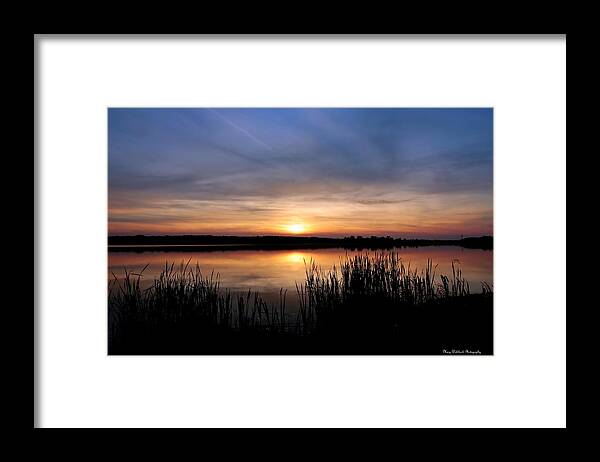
pixel 318 172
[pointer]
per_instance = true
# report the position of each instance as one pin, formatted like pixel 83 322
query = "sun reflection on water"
pixel 295 257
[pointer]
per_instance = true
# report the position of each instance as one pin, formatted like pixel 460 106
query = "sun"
pixel 296 228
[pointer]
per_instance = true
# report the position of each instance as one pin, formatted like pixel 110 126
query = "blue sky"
pixel 330 172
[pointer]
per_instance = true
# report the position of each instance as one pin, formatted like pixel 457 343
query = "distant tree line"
pixel 350 242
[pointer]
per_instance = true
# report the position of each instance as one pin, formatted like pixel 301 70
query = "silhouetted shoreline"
pixel 208 243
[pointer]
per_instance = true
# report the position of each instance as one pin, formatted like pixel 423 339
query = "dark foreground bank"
pixel 371 304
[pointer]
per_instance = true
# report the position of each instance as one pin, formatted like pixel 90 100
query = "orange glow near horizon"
pixel 311 218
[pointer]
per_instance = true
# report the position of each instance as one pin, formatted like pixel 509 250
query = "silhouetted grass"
pixel 371 303
pixel 183 308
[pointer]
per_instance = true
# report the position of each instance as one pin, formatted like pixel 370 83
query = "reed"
pixel 373 287
pixel 183 301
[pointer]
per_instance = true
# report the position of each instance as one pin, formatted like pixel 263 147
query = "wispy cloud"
pixel 241 130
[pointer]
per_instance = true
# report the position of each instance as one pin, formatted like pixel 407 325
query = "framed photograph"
pixel 300 231
pixel 349 225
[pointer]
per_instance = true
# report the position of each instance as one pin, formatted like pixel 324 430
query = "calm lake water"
pixel 267 271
